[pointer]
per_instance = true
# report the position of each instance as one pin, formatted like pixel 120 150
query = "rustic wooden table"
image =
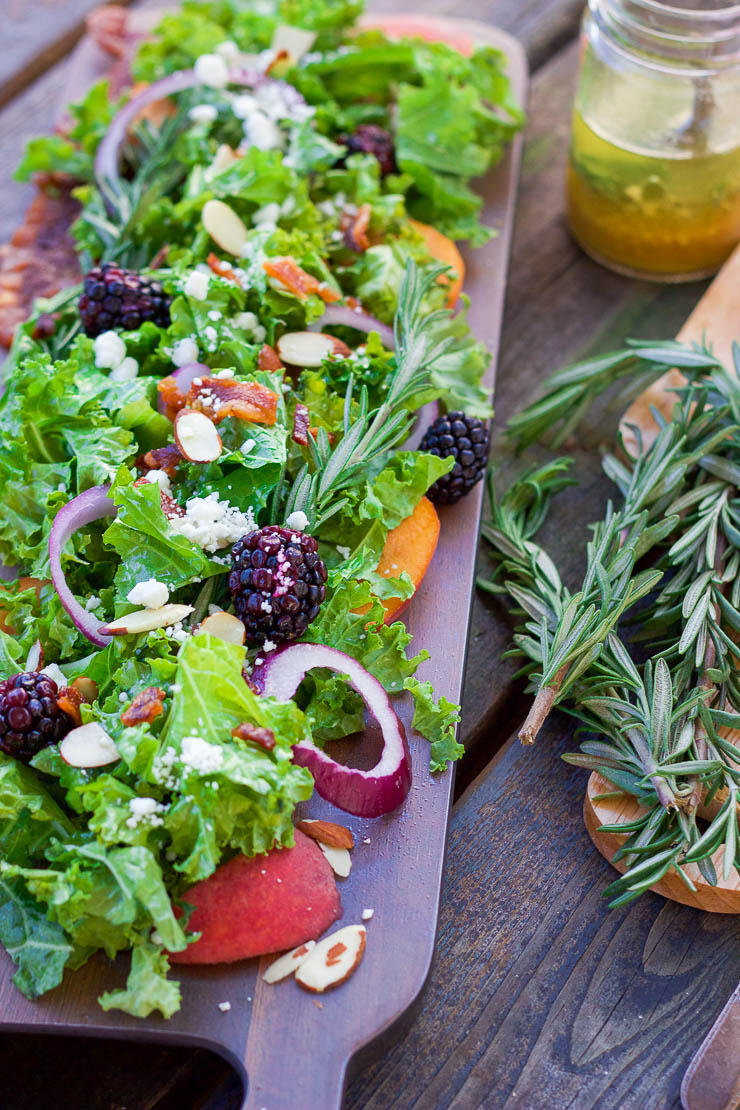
pixel 540 998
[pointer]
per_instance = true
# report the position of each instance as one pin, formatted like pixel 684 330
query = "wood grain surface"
pixel 540 998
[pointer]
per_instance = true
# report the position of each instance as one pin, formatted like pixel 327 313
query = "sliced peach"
pixel 249 907
pixel 444 250
pixel 408 547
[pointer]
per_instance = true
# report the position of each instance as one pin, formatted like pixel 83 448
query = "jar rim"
pixel 683 38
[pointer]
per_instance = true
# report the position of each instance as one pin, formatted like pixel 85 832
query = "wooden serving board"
pixel 294 1051
pixel 715 320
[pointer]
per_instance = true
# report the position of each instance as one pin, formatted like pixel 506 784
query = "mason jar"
pixel 654 169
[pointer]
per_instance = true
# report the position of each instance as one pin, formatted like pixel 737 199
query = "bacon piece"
pixel 301 425
pixel 145 707
pixel 172 396
pixel 289 273
pixel 69 701
pixel 163 458
pixel 264 737
pixel 221 268
pixel 355 230
pixel 222 397
pixel 40 259
pixel 169 506
pixel 268 359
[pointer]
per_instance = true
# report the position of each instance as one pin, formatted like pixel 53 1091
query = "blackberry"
pixel 466 439
pixel 30 718
pixel 277 583
pixel 369 138
pixel 116 298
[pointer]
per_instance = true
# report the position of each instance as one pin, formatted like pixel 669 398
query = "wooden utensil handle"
pixel 712 1079
pixel 291 1087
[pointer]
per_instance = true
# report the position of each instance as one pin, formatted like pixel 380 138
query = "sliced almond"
pixel 339 858
pixel 225 158
pixel 35 657
pixel 146 620
pixel 224 226
pixel 196 436
pixel 309 348
pixel 285 965
pixel 225 626
pixel 333 959
pixel 326 832
pixel 88 746
pixel 293 41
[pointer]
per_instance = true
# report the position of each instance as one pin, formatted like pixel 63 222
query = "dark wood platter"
pixel 294 1051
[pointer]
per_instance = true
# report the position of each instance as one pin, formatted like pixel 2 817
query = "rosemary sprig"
pixel 652 725
pixel 372 434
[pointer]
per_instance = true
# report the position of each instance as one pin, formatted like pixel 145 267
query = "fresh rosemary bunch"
pixel 372 434
pixel 663 576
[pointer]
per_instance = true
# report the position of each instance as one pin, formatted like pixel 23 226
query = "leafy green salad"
pixel 203 457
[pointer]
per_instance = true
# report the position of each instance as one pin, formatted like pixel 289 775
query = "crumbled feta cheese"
pixel 92 603
pixel 160 478
pixel 203 113
pixel 126 371
pixel 246 320
pixel 122 697
pixel 151 594
pixel 185 350
pixel 55 673
pixel 227 373
pixel 156 937
pixel 211 335
pixel 262 132
pixel 211 69
pixel 367 914
pixel 259 333
pixel 243 106
pixel 227 49
pixel 213 524
pixel 247 446
pixel 145 809
pixel 196 285
pixel 200 756
pixel 224 1007
pixel 109 350
pixel 214 314
pixel 297 520
pixel 366 840
pixel 268 215
pixel 343 551
pixel 268 645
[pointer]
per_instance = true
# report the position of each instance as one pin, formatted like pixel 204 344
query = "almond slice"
pixel 333 959
pixel 339 858
pixel 309 348
pixel 285 965
pixel 226 627
pixel 224 226
pixel 326 832
pixel 146 620
pixel 196 436
pixel 88 746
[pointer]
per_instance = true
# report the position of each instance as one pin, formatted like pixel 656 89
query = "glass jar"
pixel 654 169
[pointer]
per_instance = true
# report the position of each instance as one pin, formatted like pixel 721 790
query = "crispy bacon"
pixel 265 737
pixel 69 701
pixel 355 230
pixel 268 359
pixel 145 707
pixel 163 458
pixel 40 259
pixel 171 395
pixel 222 268
pixel 222 397
pixel 301 425
pixel 297 281
pixel 170 507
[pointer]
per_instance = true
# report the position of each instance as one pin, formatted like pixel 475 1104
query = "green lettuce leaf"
pixel 147 987
pixel 437 721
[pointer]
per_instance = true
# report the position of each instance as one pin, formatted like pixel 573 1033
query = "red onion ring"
pixel 355 318
pixel 81 510
pixel 184 376
pixel 364 793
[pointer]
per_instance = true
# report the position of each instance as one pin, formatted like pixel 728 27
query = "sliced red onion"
pixel 81 510
pixel 184 376
pixel 301 425
pixel 357 319
pixel 364 793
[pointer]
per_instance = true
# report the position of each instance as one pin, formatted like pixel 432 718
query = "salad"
pixel 210 518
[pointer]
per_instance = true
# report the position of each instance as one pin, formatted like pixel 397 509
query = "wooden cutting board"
pixel 292 1050
pixel 716 320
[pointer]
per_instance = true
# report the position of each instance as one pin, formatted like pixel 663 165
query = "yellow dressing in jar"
pixel 653 184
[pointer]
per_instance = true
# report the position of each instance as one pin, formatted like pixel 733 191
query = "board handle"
pixel 290 1080
pixel 712 1079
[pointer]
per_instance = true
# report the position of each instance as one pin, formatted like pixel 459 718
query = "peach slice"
pixel 409 547
pixel 249 907
pixel 443 250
